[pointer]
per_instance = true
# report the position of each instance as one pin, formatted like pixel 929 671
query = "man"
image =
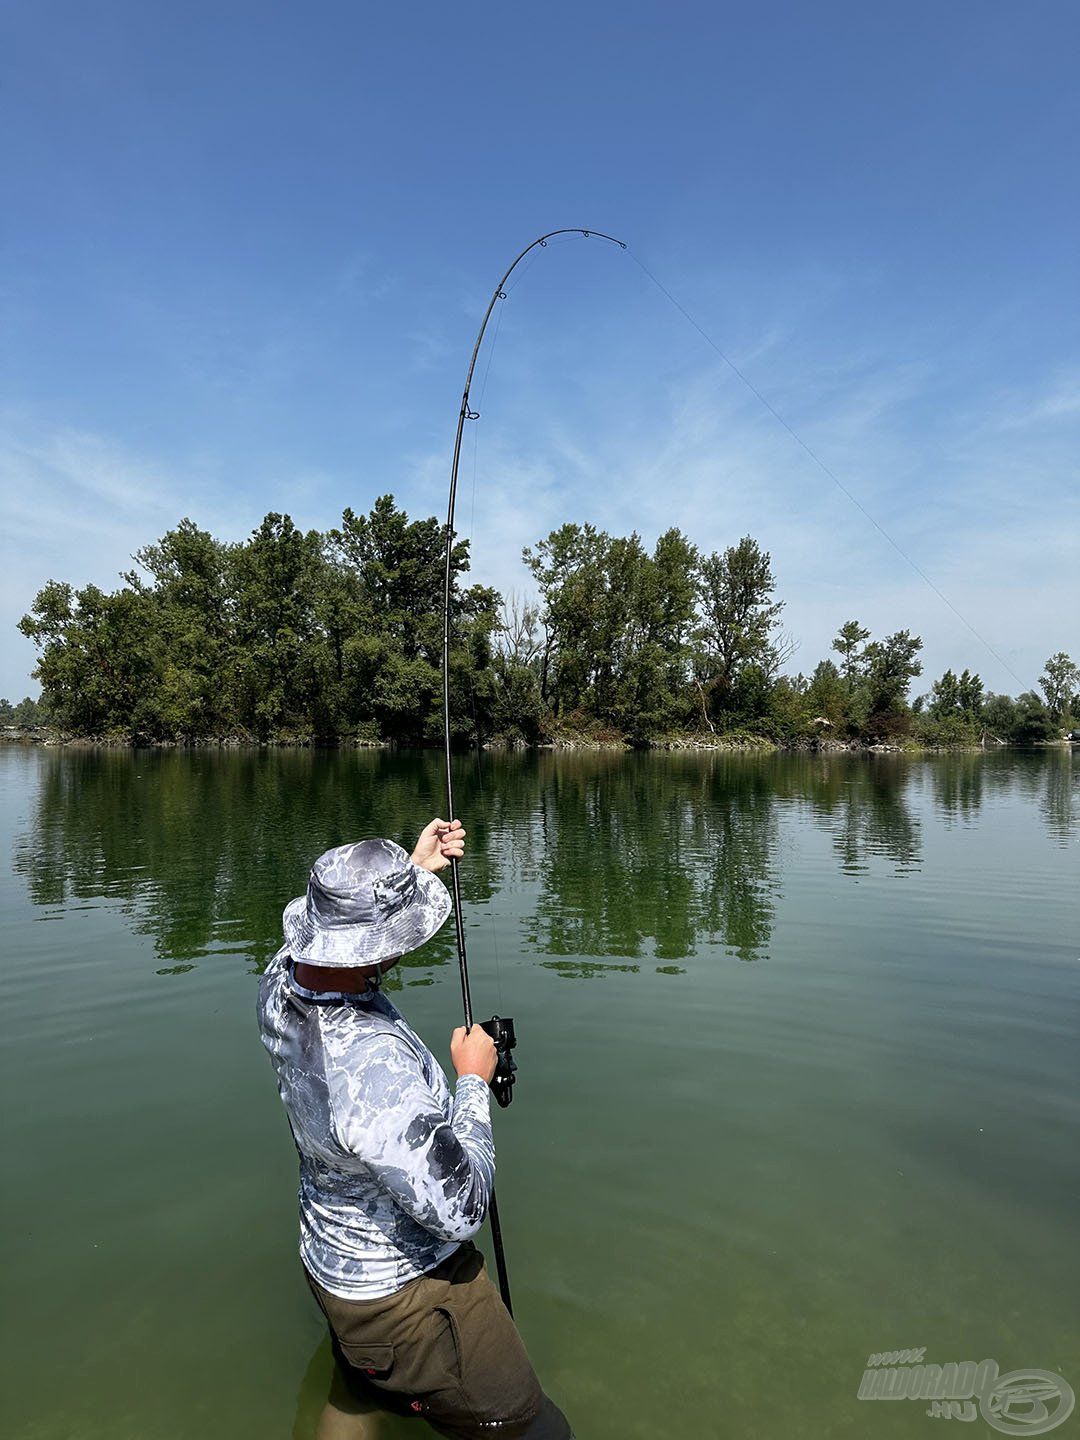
pixel 395 1172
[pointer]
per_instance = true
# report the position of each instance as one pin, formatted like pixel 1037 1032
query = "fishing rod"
pixel 501 1029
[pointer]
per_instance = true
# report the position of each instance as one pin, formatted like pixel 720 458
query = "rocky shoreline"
pixel 572 741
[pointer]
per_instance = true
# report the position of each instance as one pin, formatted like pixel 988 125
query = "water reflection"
pixel 959 786
pixel 202 850
pixel 864 805
pixel 604 862
pixel 1059 801
pixel 646 861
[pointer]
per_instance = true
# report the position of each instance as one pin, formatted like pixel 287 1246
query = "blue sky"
pixel 246 248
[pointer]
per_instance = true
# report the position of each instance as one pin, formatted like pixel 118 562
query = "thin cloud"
pixel 1058 401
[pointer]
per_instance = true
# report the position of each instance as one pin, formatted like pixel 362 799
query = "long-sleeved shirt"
pixel 394 1170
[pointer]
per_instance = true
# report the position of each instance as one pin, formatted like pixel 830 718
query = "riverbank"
pixel 733 742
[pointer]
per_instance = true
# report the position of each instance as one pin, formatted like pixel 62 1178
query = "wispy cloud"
pixel 75 506
pixel 954 495
pixel 1059 400
pixel 989 510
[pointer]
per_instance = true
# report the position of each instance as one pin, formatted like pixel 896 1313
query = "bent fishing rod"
pixel 501 1029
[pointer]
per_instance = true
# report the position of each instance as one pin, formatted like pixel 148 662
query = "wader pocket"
pixel 496 1380
pixel 375 1361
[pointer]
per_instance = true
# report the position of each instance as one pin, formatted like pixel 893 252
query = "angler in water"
pixel 396 1173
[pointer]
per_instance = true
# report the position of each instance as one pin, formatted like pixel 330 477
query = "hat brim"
pixel 358 945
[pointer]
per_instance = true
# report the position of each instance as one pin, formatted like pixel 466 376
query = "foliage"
pixel 24 715
pixel 736 654
pixel 1034 722
pixel 618 627
pixel 848 645
pixel 1060 683
pixel 310 636
pixel 288 634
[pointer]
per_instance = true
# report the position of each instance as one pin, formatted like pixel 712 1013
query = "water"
pixel 798 1079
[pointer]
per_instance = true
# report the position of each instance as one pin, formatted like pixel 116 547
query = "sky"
pixel 246 249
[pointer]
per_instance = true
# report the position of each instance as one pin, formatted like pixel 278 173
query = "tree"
pixel 25 715
pixel 617 625
pixel 28 713
pixel 737 618
pixel 1034 722
pixel 311 636
pixel 189 598
pixel 952 695
pixel 569 568
pixel 1000 717
pixel 274 664
pixel 654 660
pixel 888 668
pixel 98 658
pixel 1060 681
pixel 970 694
pixel 848 644
pixel 827 694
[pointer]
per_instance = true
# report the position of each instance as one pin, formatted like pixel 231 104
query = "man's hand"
pixel 473 1053
pixel 440 842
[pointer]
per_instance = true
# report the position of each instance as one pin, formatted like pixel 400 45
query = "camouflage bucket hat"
pixel 364 903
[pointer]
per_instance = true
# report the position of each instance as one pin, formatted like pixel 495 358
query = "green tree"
pixel 28 713
pixel 617 625
pixel 652 656
pixel 275 659
pixel 888 668
pixel 848 645
pixel 1060 681
pixel 1035 723
pixel 956 695
pixel 828 694
pixel 385 646
pixel 97 659
pixel 1000 717
pixel 738 618
pixel 187 594
pixel 569 568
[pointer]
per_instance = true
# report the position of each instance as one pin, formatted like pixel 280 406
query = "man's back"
pixel 395 1171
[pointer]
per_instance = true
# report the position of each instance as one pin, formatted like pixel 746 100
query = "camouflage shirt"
pixel 394 1170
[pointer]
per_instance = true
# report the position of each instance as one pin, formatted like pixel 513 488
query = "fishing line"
pixel 825 470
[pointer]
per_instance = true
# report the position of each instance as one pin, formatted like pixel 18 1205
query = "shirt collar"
pixel 326 997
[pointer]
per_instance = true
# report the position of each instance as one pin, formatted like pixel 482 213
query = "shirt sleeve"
pixel 438 1170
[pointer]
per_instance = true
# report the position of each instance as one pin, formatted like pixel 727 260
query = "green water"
pixel 798 1079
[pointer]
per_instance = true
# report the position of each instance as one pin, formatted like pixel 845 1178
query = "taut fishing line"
pixel 825 470
pixel 502 1029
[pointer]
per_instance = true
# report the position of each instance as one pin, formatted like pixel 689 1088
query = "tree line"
pixel 313 636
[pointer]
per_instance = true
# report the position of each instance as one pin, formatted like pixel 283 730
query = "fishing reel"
pixel 501 1030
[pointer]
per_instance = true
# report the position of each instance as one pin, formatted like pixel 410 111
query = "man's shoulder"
pixel 361 1038
pixel 271 982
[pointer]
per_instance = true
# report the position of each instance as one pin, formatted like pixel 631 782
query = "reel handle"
pixel 501 1030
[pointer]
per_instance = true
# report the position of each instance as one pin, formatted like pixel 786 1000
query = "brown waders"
pixel 445 1348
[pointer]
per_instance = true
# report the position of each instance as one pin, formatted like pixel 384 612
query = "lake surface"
pixel 798 1079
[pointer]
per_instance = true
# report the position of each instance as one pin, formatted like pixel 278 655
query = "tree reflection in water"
pixel 604 861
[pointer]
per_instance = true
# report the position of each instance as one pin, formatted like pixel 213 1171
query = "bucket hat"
pixel 364 902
